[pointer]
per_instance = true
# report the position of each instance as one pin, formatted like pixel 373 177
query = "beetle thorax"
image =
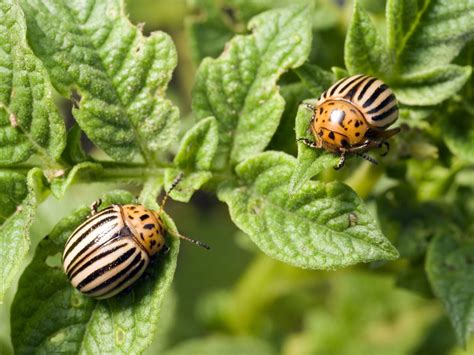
pixel 339 124
pixel 146 227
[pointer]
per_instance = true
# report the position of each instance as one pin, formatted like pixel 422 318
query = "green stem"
pixel 140 174
pixel 365 178
pixel 264 281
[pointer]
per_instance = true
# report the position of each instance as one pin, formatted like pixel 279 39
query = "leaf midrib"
pixel 412 30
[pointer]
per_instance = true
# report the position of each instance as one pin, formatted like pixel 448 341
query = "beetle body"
pixel 352 116
pixel 112 248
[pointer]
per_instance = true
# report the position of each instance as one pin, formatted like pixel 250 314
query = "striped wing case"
pixel 100 259
pixel 370 95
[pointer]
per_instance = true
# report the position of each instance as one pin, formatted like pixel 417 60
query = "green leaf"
pixel 293 94
pixel 339 73
pixel 458 133
pixel 429 33
pixel 314 78
pixel 432 86
pixel 450 269
pixel 121 75
pixel 207 31
pixel 323 226
pixel 74 153
pixel 151 190
pixel 218 345
pixel 310 161
pixel 364 51
pixel 60 184
pixel 188 185
pixel 239 88
pixel 50 316
pixel 29 120
pixel 13 190
pixel 198 146
pixel 194 159
pixel 15 230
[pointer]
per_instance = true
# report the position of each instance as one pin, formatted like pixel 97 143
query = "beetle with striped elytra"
pixel 352 117
pixel 109 251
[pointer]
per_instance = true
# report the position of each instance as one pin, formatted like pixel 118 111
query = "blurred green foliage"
pixel 236 300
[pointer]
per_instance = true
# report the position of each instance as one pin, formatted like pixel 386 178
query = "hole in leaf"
pixel 76 300
pixel 120 336
pixel 54 260
pixel 57 338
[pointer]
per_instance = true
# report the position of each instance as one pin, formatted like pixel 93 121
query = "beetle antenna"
pixel 167 194
pixel 194 241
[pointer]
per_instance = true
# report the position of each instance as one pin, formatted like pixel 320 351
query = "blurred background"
pixel 238 299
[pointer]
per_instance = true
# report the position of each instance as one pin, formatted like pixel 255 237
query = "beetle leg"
pixel 309 106
pixel 308 142
pixel 341 161
pixel 308 130
pixel 165 250
pixel 95 206
pixel 368 158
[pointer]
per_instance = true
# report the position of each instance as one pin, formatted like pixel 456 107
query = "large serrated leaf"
pixel 15 230
pixel 364 50
pixel 429 33
pixel 121 75
pixel 239 88
pixel 310 161
pixel 50 316
pixel 29 120
pixel 323 226
pixel 432 86
pixel 450 270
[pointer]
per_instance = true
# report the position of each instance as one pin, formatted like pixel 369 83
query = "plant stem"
pixel 365 178
pixel 264 281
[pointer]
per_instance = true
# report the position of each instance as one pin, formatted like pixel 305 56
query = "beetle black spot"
pixel 352 110
pixel 349 122
pixel 345 129
pixel 144 216
pixel 149 226
pixel 331 135
pixel 324 121
pixel 141 236
pixel 357 134
pixel 320 133
pixel 152 242
pixel 344 143
pixel 320 110
pixel 357 124
pixel 331 103
pixel 132 207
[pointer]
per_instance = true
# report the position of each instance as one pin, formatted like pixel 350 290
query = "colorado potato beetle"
pixel 352 116
pixel 110 250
